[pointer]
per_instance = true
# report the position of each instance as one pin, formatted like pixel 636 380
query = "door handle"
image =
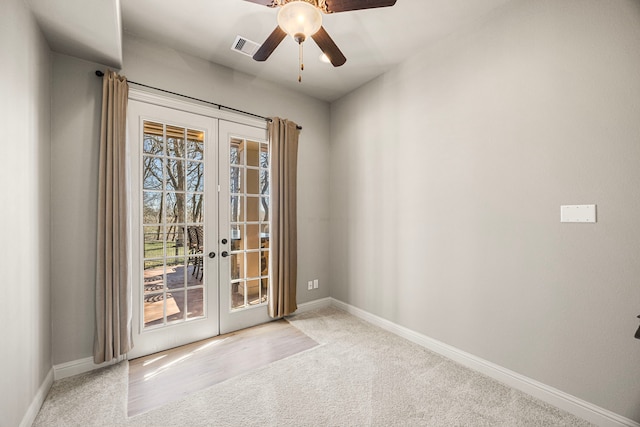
pixel 212 254
pixel 224 254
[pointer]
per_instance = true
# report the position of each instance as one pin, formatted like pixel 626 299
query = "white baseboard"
pixel 80 366
pixel 313 305
pixel 583 409
pixel 37 401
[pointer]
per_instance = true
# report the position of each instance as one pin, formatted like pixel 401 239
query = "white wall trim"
pixel 192 106
pixel 80 366
pixel 314 305
pixel 38 400
pixel 583 409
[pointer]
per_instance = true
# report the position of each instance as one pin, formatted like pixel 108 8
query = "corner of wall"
pixel 39 398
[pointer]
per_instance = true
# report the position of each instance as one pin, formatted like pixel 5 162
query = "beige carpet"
pixel 360 375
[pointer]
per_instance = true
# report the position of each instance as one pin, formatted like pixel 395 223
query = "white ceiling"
pixel 90 30
pixel 373 40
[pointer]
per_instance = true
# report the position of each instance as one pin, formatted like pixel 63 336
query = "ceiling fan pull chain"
pixel 300 59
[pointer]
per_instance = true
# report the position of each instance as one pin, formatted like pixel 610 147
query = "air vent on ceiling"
pixel 245 46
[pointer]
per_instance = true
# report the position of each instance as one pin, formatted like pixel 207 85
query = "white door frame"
pixel 178 334
pixel 194 107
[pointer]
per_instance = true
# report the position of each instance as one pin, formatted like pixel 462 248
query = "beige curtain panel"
pixel 113 335
pixel 283 140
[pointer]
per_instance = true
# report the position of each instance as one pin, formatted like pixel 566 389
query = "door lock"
pixel 224 241
pixel 212 254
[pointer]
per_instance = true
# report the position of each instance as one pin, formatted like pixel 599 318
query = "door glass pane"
pixel 195 303
pixel 236 185
pixel 237 266
pixel 175 141
pixel 253 236
pixel 175 273
pixel 195 261
pixel 196 239
pixel 153 277
pixel 237 294
pixel 153 241
pixel 195 271
pixel 237 237
pixel 253 292
pixel 151 207
pixel 152 173
pixel 173 243
pixel 236 152
pixel 264 263
pixel 253 212
pixel 195 208
pixel 175 175
pixel 253 264
pixel 195 176
pixel 253 153
pixel 264 286
pixel 174 209
pixel 264 156
pixel 264 209
pixel 175 306
pixel 153 138
pixel 154 305
pixel 253 181
pixel 264 182
pixel 195 144
pixel 249 225
pixel 237 209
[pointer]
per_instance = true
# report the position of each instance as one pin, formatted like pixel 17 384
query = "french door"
pixel 200 225
pixel 244 226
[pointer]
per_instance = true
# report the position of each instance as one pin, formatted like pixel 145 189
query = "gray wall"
pixel 25 355
pixel 75 142
pixel 447 174
pixel 75 135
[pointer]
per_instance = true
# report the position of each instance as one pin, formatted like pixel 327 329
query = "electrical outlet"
pixel 315 284
pixel 310 285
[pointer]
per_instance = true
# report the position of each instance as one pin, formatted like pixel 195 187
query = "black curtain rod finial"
pixel 99 73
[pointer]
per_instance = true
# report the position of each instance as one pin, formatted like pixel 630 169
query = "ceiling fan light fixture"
pixel 299 19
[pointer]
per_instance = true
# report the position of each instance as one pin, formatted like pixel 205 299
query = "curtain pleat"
pixel 283 140
pixel 113 334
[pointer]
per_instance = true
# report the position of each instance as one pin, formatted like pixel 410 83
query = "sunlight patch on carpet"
pixel 164 377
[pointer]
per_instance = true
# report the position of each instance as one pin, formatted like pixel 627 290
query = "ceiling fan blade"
pixel 270 3
pixel 269 45
pixel 347 5
pixel 328 47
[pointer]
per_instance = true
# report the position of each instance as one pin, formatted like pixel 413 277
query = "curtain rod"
pixel 219 106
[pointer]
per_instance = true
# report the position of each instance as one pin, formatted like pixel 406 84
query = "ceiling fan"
pixel 303 18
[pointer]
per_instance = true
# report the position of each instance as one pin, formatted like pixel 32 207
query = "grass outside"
pixel 155 249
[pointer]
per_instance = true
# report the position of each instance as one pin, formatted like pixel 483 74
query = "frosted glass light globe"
pixel 299 19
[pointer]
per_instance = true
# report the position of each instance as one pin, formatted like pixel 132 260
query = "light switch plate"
pixel 578 213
